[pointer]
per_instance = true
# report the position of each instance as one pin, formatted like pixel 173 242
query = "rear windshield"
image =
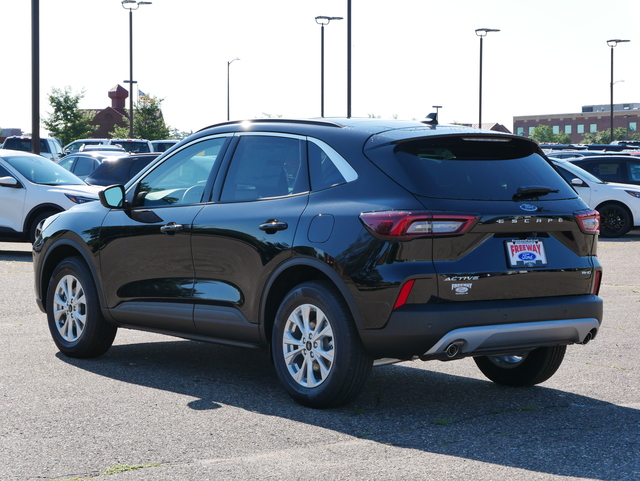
pixel 469 168
pixel 133 146
pixel 24 145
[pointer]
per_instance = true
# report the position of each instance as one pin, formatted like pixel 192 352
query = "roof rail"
pixel 320 122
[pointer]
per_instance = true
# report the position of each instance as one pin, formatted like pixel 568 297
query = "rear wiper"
pixel 533 191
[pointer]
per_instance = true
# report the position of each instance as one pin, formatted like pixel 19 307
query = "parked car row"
pixel 106 167
pixel 52 149
pixel 33 188
pixel 137 146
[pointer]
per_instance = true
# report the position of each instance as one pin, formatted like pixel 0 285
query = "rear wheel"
pixel 317 352
pixel 73 312
pixel 524 369
pixel 615 220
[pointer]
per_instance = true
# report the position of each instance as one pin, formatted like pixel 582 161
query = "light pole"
pixel 482 32
pixel 612 43
pixel 228 94
pixel 322 21
pixel 348 59
pixel 131 5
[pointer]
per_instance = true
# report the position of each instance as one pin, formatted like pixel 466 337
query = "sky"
pixel 549 57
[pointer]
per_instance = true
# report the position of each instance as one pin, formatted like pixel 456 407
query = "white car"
pixel 33 188
pixel 618 204
pixel 78 145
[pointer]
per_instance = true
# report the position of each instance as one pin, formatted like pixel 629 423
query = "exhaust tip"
pixel 590 335
pixel 453 349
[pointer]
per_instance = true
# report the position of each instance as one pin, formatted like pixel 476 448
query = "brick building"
pixel 106 119
pixel 593 118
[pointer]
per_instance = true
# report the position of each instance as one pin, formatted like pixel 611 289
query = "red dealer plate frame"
pixel 526 253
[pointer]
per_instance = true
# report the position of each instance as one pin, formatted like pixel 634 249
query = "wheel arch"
pixel 291 274
pixel 618 203
pixel 59 252
pixel 36 211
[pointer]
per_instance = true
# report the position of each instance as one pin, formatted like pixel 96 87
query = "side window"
pixel 181 178
pixel 67 162
pixel 84 166
pixel 4 172
pixel 327 168
pixel 634 172
pixel 44 146
pixel 609 171
pixel 263 167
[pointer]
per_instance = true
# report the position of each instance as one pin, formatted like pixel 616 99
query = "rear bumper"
pixel 484 327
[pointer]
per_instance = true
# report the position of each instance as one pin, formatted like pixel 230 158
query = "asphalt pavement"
pixel 161 408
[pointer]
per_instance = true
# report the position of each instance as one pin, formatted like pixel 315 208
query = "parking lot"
pixel 160 408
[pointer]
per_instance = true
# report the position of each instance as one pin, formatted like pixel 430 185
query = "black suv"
pixel 334 243
pixel 119 169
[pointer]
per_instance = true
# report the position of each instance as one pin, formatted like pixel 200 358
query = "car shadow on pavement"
pixel 537 429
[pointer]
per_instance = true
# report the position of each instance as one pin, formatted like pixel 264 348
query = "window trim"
pixel 345 169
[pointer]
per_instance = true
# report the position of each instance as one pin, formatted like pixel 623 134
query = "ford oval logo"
pixel 528 207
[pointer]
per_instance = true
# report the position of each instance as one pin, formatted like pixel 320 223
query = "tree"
pixel 148 122
pixel 68 122
pixel 544 134
pixel 604 137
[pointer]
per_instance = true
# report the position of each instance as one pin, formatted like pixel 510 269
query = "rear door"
pixel 248 230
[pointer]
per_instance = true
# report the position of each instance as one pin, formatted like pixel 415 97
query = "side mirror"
pixel 112 197
pixel 10 182
pixel 577 182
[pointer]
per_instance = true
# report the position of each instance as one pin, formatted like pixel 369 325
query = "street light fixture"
pixel 612 43
pixel 228 94
pixel 131 5
pixel 482 32
pixel 322 21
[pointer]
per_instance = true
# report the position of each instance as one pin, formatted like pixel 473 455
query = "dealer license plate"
pixel 526 253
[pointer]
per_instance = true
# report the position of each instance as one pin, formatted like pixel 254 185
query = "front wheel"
pixel 615 220
pixel 73 312
pixel 525 369
pixel 317 352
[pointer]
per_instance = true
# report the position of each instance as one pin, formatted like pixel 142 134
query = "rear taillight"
pixel 589 221
pixel 409 224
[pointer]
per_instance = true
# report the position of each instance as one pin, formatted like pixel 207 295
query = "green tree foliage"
pixel 604 137
pixel 67 122
pixel 148 122
pixel 544 134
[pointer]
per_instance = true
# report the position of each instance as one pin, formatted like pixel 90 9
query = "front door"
pixel 146 258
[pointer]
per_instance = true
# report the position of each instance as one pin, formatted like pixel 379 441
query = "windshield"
pixel 42 171
pixel 470 168
pixel 575 170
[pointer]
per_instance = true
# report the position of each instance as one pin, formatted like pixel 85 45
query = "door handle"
pixel 273 225
pixel 171 228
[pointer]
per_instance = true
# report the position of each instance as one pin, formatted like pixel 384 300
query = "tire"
pixel 526 369
pixel 615 220
pixel 73 312
pixel 317 352
pixel 34 227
